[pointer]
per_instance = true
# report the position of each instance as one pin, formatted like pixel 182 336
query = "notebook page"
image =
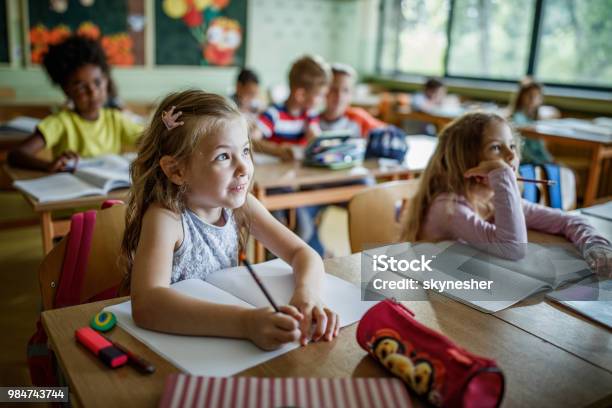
pixel 602 211
pixel 277 276
pixel 552 265
pixel 591 297
pixel 196 355
pixel 107 172
pixel 57 187
pixel 459 264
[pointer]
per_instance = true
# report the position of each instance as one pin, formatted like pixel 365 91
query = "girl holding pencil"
pixel 469 192
pixel 189 214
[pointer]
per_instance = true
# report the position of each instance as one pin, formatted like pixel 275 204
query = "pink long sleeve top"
pixel 505 235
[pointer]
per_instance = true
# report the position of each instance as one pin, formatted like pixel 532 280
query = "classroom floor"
pixel 20 255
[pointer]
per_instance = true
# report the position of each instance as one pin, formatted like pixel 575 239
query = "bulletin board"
pixel 200 32
pixel 118 24
pixel 4 37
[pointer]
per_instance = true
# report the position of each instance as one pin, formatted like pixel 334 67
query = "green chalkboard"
pixel 118 24
pixel 202 32
pixel 4 44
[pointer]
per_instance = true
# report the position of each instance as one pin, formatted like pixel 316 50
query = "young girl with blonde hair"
pixel 469 192
pixel 189 214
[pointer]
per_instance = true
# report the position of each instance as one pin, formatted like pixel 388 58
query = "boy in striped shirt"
pixel 294 122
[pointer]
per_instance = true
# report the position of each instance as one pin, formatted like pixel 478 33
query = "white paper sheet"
pixel 602 211
pixel 224 357
pixel 543 268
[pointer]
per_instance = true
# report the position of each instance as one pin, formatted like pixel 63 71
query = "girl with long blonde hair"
pixel 189 214
pixel 469 192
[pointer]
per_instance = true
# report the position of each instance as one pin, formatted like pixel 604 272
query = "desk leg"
pixel 592 184
pixel 260 251
pixel 46 223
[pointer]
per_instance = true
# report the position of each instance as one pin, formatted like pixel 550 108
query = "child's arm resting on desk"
pixel 281 150
pixel 24 156
pixel 157 307
pixel 308 269
pixel 595 249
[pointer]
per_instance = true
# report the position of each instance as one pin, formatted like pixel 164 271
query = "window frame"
pixel 532 61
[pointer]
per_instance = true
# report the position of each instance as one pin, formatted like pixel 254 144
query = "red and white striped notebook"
pixel 183 390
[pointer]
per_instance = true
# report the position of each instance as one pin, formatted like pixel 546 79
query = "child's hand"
pixel 284 152
pixel 599 258
pixel 67 161
pixel 323 322
pixel 270 330
pixel 481 172
pixel 313 131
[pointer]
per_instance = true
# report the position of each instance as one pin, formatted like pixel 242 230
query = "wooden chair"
pixel 373 214
pixel 102 271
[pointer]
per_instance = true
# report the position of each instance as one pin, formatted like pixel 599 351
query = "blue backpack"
pixel 388 142
pixel 531 192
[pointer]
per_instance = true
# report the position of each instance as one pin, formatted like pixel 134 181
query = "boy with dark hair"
pixel 78 65
pixel 247 92
pixel 432 96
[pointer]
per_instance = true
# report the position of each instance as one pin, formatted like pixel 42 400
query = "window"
pixel 562 42
pixel 415 41
pixel 575 42
pixel 490 38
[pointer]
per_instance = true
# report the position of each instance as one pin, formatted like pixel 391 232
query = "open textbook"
pixel 216 356
pixel 476 278
pixel 95 176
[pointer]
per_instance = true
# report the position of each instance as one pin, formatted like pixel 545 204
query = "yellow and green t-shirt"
pixel 67 130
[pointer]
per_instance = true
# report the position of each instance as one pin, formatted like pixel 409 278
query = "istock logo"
pixel 382 263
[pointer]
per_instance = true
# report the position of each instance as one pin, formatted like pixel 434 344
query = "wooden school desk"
pixel 266 176
pixel 58 228
pixel 550 356
pixel 439 120
pixel 294 175
pixel 9 139
pixel 600 146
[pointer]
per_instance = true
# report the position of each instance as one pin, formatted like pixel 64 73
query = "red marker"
pixel 110 355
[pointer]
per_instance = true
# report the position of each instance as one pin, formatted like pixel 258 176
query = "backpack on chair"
pixel 561 194
pixel 71 274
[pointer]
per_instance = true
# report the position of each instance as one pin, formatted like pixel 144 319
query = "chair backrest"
pixel 103 270
pixel 374 213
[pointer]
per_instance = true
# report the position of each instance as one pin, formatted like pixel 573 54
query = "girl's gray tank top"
pixel 205 248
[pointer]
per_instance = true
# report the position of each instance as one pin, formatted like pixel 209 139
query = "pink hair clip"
pixel 169 118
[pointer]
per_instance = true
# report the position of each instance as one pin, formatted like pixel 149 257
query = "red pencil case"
pixel 428 362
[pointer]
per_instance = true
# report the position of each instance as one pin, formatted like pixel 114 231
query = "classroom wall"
pixel 279 31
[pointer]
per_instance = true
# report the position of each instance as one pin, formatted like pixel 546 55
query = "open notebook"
pixel 591 297
pixel 216 356
pixel 96 176
pixel 542 268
